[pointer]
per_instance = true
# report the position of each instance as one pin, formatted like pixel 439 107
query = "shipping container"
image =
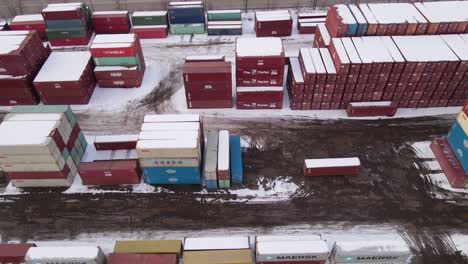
pixel 288 238
pixel 117 72
pixel 120 258
pixel 367 251
pixel 449 163
pixel 149 18
pixel 223 170
pixel 249 55
pixel 184 29
pixel 148 32
pixel 114 172
pixel 240 256
pixel 322 37
pixel 333 166
pixel 148 247
pixel 305 252
pixel 362 109
pixel 44 183
pixel 171 148
pixel 14 253
pixel 462 120
pixel 211 159
pixel 235 159
pixel 46 255
pixel 260 97
pixel 220 30
pixel 172 175
pixel 216 243
pixel 105 18
pixel 219 15
pixel 115 142
pixel 457 139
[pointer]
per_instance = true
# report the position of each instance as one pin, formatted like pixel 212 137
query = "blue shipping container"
pixel 187 19
pixel 211 184
pixel 224 31
pixel 352 29
pixel 458 140
pixel 237 174
pixel 65 23
pixel 172 175
pixel 362 29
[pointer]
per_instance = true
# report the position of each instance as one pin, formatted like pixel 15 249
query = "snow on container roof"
pixel 62 253
pixel 335 162
pixel 224 26
pixel 168 143
pixel 32 117
pixel 274 18
pixel 307 60
pixel 364 53
pixel 327 61
pixel 384 103
pixel 114 38
pixel 464 36
pixel 116 138
pixel 176 126
pixel 260 89
pixel 296 70
pixel 394 245
pixel 458 45
pixel 110 45
pixel 340 50
pixel 351 51
pixel 13 133
pixel 325 34
pixel 172 118
pixel 216 243
pixel 15 33
pixel 186 3
pixel 149 13
pixel 224 23
pixel 110 13
pixel 311 20
pixel 392 49
pixel 64 66
pixel 223 11
pixel 288 238
pixel 51 8
pixel 444 11
pixel 293 247
pixel 424 48
pixel 148 135
pixel 223 150
pixel 65 4
pixel 367 13
pixel 317 59
pixel 311 24
pixel 26 18
pixel 204 57
pixel 377 49
pixel 150 26
pixel 272 13
pixel 114 68
pixel 254 47
pixel 345 14
pixel 357 14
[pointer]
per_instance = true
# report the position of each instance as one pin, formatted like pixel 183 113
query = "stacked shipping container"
pixel 259 73
pixel 22 54
pixel 88 254
pixel 30 22
pixel 169 149
pixel 42 146
pixel 119 60
pixel 273 23
pixel 208 82
pixel 322 37
pixel 213 250
pixel 307 23
pixel 150 24
pixel 224 22
pixel 66 78
pixel 394 251
pixel 187 17
pixel 111 22
pixel 68 24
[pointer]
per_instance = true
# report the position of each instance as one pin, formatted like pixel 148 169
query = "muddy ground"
pixel 389 190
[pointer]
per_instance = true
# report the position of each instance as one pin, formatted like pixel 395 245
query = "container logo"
pixel 296 257
pixel 171 171
pixel 173 180
pixel 377 258
pixel 117 74
pixel 465 143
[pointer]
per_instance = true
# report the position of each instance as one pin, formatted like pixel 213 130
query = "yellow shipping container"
pixel 149 247
pixel 241 256
pixel 463 121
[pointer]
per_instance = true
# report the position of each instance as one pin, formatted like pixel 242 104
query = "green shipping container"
pixel 216 15
pixel 224 184
pixel 77 32
pixel 182 29
pixel 117 61
pixel 149 20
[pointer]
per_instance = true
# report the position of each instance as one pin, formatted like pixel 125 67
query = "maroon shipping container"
pixel 112 50
pixel 307 28
pixel 113 172
pixel 112 29
pixel 69 12
pixel 207 86
pixel 371 109
pixel 115 142
pixel 449 163
pixel 30 25
pixel 150 32
pixel 117 72
pixel 121 258
pixel 259 98
pixel 76 41
pixel 120 83
pixel 37 175
pixel 207 71
pixel 14 253
pixel 110 18
pixel 330 167
pixel 201 104
pixel 246 59
pixel 24 59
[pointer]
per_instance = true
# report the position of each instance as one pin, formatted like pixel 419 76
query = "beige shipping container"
pixel 240 256
pixel 21 159
pixel 149 247
pixel 31 183
pixel 462 119
pixel 32 167
pixel 180 148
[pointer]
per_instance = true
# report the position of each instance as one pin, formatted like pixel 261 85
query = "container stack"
pixel 111 22
pixel 307 23
pixel 452 152
pixel 273 23
pixel 394 251
pixel 208 82
pixel 150 24
pixel 322 37
pixel 291 249
pixel 86 254
pixel 259 73
pixel 445 17
pixel 169 149
pixel 30 22
pixel 224 22
pixel 66 78
pixel 187 17
pixel 41 146
pixel 22 55
pixel 213 250
pixel 119 61
pixel 68 24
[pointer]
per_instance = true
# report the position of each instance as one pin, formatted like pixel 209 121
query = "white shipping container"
pixel 216 243
pixel 168 126
pixel 65 255
pixel 211 156
pixel 33 167
pixel 115 138
pixel 279 251
pixel 171 118
pixel 223 150
pixel 394 250
pixel 147 135
pixel 179 148
pixel 149 163
pixel 33 183
pixel 288 238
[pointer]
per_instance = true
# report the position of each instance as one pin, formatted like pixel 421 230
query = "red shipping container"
pixel 260 71
pixel 120 83
pixel 329 167
pixel 110 18
pixel 247 57
pixel 150 32
pixel 125 49
pixel 207 71
pixel 16 100
pixel 112 29
pixel 371 109
pixel 449 163
pixel 208 95
pixel 259 98
pixel 77 41
pixel 122 258
pixel 117 72
pixel 63 174
pixel 65 12
pixel 201 104
pixel 200 87
pixel 115 142
pixel 113 172
pixel 14 253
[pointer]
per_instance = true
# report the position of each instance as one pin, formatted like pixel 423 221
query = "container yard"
pixel 195 132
